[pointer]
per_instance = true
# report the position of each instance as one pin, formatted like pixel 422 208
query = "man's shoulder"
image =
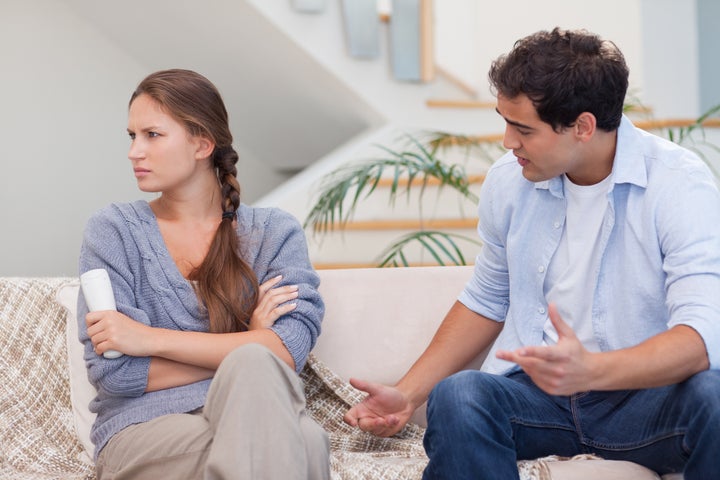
pixel 655 163
pixel 662 153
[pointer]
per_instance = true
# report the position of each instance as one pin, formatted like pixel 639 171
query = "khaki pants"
pixel 253 426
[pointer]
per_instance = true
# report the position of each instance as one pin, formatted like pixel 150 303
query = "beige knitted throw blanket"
pixel 37 434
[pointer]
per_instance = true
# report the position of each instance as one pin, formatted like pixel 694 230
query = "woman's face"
pixel 164 155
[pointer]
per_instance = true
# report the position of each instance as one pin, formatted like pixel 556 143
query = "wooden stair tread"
pixel 408 224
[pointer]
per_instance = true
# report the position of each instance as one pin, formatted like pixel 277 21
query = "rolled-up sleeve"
pixel 689 226
pixel 487 292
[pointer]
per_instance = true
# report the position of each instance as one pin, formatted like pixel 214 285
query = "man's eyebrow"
pixel 513 123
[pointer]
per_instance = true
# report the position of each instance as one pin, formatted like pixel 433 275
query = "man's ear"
pixel 203 147
pixel 585 126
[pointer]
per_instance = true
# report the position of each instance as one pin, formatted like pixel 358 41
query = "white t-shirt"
pixel 571 278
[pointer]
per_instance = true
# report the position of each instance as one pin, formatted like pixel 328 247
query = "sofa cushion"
pixel 378 321
pixel 407 305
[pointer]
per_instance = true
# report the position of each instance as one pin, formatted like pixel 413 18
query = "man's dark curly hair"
pixel 565 73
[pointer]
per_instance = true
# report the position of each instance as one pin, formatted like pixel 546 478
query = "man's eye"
pixel 523 132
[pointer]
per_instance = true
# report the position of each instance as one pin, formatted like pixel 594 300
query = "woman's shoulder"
pixel 265 217
pixel 132 212
pixel 117 219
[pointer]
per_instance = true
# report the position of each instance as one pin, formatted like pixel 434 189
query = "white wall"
pixel 65 85
pixel 68 68
pixel 470 38
pixel 659 39
pixel 670 57
pixel 64 90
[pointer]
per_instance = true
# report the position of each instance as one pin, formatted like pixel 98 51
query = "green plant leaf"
pixel 442 246
pixel 342 190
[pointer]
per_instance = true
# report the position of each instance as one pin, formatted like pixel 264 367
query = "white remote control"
pixel 99 296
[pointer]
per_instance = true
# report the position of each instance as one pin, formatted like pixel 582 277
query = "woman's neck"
pixel 200 202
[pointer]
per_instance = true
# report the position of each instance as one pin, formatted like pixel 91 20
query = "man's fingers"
pixel 380 426
pixel 525 354
pixel 563 329
pixel 371 388
pixel 363 385
pixel 350 418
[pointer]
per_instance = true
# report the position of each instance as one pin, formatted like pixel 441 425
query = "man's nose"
pixel 511 140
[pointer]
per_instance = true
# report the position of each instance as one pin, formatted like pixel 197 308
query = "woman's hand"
pixel 111 330
pixel 272 303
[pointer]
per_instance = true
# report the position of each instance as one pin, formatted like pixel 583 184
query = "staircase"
pixel 415 96
pixel 447 103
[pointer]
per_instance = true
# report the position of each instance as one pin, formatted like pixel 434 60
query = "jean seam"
pixel 526 423
pixel 574 409
pixel 634 446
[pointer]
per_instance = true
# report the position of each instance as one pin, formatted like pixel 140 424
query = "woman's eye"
pixel 132 136
pixel 153 134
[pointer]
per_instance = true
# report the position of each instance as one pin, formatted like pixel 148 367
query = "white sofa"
pixel 377 322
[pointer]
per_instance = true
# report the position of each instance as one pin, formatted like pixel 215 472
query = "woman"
pixel 207 386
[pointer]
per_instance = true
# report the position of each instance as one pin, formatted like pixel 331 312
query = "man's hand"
pixel 272 303
pixel 384 412
pixel 561 369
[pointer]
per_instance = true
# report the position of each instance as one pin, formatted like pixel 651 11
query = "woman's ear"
pixel 203 147
pixel 585 126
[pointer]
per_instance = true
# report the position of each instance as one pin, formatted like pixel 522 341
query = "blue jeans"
pixel 479 425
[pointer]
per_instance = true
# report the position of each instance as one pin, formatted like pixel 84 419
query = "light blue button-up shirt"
pixel 660 249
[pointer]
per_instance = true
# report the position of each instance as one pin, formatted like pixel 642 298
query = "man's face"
pixel 541 152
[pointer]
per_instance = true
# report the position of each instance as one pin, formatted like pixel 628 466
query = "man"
pixel 599 276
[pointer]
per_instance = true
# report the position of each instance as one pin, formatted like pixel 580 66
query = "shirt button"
pixel 556 224
pixel 541 311
pixel 541 269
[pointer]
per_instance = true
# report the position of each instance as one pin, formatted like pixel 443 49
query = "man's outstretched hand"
pixel 384 411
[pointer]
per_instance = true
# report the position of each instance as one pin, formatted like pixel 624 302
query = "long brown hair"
pixel 225 283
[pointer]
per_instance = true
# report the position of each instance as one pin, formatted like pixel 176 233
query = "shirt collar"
pixel 628 164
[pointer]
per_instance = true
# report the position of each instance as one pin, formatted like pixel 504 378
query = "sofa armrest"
pixel 37 434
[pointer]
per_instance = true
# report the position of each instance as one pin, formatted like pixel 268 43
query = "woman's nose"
pixel 135 152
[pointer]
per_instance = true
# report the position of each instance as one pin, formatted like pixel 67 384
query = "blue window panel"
pixel 362 28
